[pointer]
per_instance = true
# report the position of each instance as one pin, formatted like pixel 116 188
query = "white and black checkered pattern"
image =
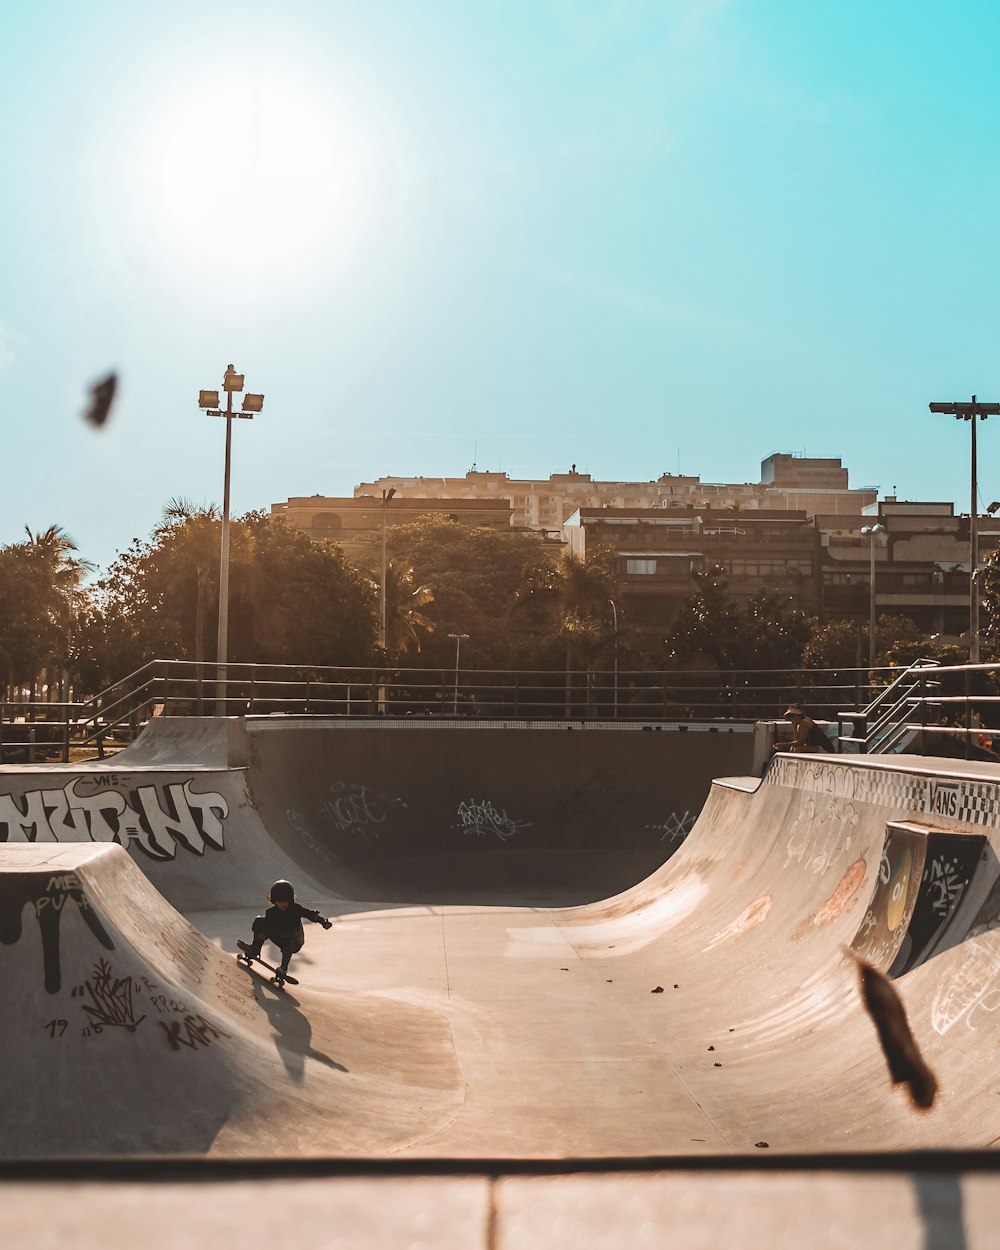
pixel 955 799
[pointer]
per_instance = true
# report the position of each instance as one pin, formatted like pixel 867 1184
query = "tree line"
pixel 297 601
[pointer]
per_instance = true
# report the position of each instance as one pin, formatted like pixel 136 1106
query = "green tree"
pixel 405 624
pixel 473 574
pixel 291 601
pixel 570 601
pixel 713 631
pixel 42 601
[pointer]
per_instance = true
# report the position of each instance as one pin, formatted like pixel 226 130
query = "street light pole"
pixel 614 611
pixel 386 496
pixel 873 532
pixel 232 384
pixel 222 645
pixel 972 412
pixel 458 643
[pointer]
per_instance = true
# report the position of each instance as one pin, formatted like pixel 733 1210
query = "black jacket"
pixel 289 922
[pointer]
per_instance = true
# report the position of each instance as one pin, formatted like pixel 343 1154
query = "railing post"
pixel 968 712
pixel 308 683
pixel 65 734
pixel 923 708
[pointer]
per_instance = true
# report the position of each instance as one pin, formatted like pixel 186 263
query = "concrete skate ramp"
pixel 126 1031
pixel 709 1008
pixel 438 812
pixel 214 810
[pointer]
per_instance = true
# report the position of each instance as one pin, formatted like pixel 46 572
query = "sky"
pixel 638 236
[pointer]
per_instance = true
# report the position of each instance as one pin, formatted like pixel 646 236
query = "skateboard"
pixel 279 977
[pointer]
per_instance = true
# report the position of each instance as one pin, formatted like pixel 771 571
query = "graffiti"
pixel 112 1000
pixel 675 828
pixel 168 1006
pixel 154 822
pixel 48 895
pixel 56 1028
pixel 752 916
pixel 946 884
pixel 970 989
pixel 482 818
pixel 821 832
pixel 882 932
pixel 192 1032
pixel 844 898
pixel 356 808
pixel 950 863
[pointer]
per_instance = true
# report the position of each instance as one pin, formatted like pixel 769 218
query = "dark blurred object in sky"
pixel 102 396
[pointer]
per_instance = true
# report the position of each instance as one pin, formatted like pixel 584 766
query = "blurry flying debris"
pixel 906 1064
pixel 102 396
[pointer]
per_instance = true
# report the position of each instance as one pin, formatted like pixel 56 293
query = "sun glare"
pixel 271 174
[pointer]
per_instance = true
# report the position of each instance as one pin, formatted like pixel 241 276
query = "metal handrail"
pixel 183 687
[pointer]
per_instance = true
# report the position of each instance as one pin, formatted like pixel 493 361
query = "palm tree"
pixel 51 551
pixel 574 596
pixel 405 624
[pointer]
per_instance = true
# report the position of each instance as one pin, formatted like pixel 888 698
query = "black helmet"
pixel 281 892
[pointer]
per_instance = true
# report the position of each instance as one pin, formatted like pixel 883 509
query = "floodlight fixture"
pixel 208 399
pixel 253 403
pixel 964 411
pixel 233 381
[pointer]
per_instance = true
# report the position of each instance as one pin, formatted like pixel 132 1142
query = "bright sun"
pixel 273 174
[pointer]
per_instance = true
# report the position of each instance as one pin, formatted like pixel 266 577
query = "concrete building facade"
pixel 786 482
pixel 657 551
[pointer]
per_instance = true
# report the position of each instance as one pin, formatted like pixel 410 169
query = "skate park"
pixel 552 1000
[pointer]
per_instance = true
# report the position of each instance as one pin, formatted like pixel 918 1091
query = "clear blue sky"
pixel 637 236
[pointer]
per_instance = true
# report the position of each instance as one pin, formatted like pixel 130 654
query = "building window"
pixel 640 567
pixel 770 568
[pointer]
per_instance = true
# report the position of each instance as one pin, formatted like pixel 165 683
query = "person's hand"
pixel 327 924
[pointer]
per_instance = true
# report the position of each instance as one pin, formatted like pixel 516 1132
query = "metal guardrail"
pixel 931 709
pixel 34 732
pixel 928 708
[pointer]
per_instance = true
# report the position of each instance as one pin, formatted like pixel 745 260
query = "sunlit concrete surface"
pixel 477 998
pixel 938 1208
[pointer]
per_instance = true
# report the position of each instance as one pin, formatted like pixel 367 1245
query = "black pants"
pixel 287 943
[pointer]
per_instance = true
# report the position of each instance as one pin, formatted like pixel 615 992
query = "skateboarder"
pixel 282 925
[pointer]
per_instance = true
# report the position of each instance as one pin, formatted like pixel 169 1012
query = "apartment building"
pixel 922 562
pixel 658 549
pixel 812 484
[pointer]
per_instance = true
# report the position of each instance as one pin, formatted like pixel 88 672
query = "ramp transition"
pixel 709 1007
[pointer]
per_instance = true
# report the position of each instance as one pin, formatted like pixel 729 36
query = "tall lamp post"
pixel 614 611
pixel 971 412
pixel 386 496
pixel 458 643
pixel 232 384
pixel 875 533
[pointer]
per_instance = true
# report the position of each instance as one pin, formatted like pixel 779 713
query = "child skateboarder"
pixel 282 925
